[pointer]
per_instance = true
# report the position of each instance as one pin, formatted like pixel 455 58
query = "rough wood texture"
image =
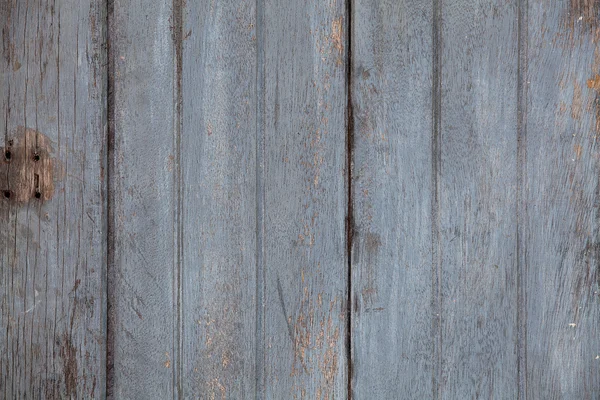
pixel 187 232
pixel 53 248
pixel 560 200
pixel 303 184
pixel 228 187
pixel 219 200
pixel 143 270
pixel 477 208
pixel 392 331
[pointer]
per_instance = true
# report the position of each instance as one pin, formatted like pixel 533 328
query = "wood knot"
pixel 27 167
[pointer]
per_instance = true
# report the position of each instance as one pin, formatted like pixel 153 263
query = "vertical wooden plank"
pixel 392 335
pixel 218 158
pixel 560 195
pixel 303 137
pixel 143 314
pixel 53 248
pixel 477 207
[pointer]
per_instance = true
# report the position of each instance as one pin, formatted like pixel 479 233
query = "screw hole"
pixel 7 194
pixel 7 154
pixel 38 195
pixel 36 157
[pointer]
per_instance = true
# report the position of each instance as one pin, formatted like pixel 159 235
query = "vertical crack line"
pixel 178 231
pixel 521 208
pixel 436 164
pixel 110 162
pixel 259 334
pixel 350 200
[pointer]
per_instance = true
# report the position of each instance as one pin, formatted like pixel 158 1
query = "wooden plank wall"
pixel 53 249
pixel 360 199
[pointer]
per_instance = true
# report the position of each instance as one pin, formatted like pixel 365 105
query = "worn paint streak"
pixel 68 354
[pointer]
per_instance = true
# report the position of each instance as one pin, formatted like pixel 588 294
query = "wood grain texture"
pixel 53 249
pixel 219 171
pixel 477 192
pixel 393 312
pixel 143 284
pixel 228 186
pixel 303 135
pixel 560 195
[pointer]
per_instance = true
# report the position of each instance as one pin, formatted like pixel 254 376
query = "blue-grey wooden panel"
pixel 392 191
pixel 302 119
pixel 559 226
pixel 476 191
pixel 52 249
pixel 228 268
pixel 143 202
pixel 219 200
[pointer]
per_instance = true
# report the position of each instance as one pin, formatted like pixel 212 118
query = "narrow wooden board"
pixel 219 200
pixel 143 184
pixel 53 249
pixel 302 145
pixel 392 195
pixel 477 199
pixel 560 199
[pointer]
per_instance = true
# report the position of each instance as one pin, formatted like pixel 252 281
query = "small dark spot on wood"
pixel 7 194
pixel 372 243
pixel 7 155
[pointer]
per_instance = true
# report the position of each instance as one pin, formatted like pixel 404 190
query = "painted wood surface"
pixel 218 158
pixel 53 248
pixel 228 274
pixel 393 312
pixel 476 209
pixel 143 319
pixel 299 200
pixel 560 199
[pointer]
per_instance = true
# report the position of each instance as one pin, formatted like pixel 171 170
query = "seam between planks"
pixel 350 200
pixel 521 208
pixel 436 104
pixel 110 156
pixel 178 231
pixel 259 362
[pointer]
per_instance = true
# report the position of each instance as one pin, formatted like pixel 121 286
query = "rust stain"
pixel 594 83
pixel 577 104
pixel 27 168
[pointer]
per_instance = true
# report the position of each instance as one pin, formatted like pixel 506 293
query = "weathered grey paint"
pixel 228 185
pixel 143 201
pixel 241 144
pixel 392 282
pixel 477 212
pixel 219 200
pixel 559 201
pixel 303 185
pixel 53 249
